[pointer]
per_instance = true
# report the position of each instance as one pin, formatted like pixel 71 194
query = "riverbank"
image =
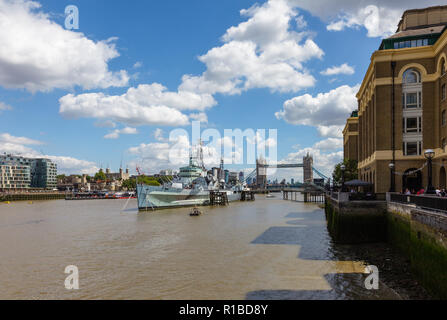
pixel 394 268
pixel 417 238
pixel 31 196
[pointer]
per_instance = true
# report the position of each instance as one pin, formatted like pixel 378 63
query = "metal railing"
pixel 362 196
pixel 422 201
pixel 358 196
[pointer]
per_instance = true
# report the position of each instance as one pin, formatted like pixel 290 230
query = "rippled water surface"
pixel 267 249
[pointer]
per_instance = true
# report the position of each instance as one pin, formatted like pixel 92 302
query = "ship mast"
pixel 201 162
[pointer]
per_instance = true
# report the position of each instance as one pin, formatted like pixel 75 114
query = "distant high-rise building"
pixel 18 172
pixel 14 172
pixel 43 174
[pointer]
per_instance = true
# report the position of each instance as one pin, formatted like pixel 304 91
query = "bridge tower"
pixel 261 173
pixel 308 162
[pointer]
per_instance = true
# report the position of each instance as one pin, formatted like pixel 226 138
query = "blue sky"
pixel 58 89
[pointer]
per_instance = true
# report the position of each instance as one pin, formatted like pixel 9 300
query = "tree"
pixel 351 171
pixel 130 184
pixel 150 181
pixel 100 175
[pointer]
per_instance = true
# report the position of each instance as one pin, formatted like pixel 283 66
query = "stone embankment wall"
pixel 420 235
pixel 31 196
pixel 356 221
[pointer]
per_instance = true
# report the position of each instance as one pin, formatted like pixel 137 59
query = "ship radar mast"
pixel 201 162
pixel 196 156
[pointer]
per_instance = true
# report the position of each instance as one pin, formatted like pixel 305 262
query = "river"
pixel 266 249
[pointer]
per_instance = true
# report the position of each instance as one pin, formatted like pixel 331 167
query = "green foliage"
pixel 351 171
pixel 100 176
pixel 61 176
pixel 150 181
pixel 131 183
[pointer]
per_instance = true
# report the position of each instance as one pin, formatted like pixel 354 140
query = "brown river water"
pixel 267 249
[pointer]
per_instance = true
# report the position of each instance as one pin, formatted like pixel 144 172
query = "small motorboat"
pixel 195 212
pixel 270 196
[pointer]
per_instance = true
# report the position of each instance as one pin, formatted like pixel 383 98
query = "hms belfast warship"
pixel 191 187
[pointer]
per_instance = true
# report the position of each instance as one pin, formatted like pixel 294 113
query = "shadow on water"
pixel 307 230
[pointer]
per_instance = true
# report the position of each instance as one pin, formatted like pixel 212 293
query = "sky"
pixel 112 92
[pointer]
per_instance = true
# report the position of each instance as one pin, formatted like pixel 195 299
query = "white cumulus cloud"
pixel 330 144
pixel 67 165
pixel 201 116
pixel 267 50
pixel 158 135
pixel 7 138
pixel 327 111
pixel 155 156
pixel 4 107
pixel 379 21
pixel 378 17
pixel 144 105
pixel 105 124
pixel 342 69
pixel 116 133
pixel 261 52
pixel 331 131
pixel 39 55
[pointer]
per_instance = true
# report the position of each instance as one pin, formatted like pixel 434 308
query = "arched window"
pixel 442 66
pixel 411 76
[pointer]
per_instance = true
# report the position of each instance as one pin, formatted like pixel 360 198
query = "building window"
pixel 412 148
pixel 442 67
pixel 443 143
pixel 412 125
pixel 410 43
pixel 443 118
pixel 443 92
pixel 412 100
pixel 411 76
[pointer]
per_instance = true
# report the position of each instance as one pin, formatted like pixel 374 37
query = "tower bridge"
pixel 260 173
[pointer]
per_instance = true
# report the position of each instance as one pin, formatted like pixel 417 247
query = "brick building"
pixel 351 137
pixel 402 105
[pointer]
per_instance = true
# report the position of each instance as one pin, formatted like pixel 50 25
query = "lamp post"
pixel 392 181
pixel 343 168
pixel 429 154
